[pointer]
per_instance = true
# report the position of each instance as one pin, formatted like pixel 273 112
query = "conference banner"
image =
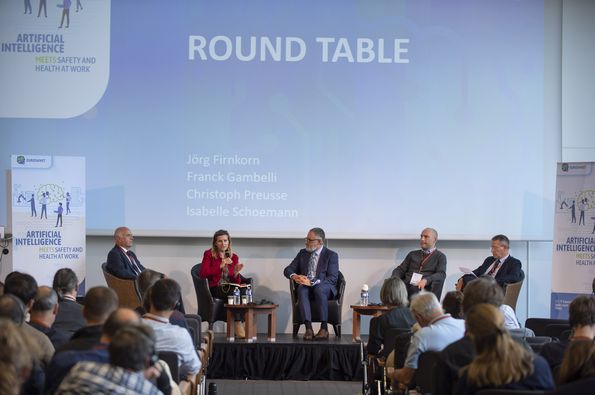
pixel 48 215
pixel 573 259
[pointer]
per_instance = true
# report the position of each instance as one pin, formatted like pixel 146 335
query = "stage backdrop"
pixel 48 215
pixel 573 261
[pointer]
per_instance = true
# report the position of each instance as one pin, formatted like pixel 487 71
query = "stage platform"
pixel 286 359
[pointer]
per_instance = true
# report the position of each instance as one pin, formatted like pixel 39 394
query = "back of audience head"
pixel 46 299
pixel 578 361
pixel 120 318
pixel 17 361
pixel 100 302
pixel 453 304
pixel 393 292
pixel 425 307
pixel 65 282
pixel 12 308
pixel 581 311
pixel 164 294
pixel 21 285
pixel 500 360
pixel 132 348
pixel 146 280
pixel 482 290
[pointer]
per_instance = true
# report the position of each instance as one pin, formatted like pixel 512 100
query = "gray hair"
pixel 319 233
pixel 393 292
pixel 45 299
pixel 425 304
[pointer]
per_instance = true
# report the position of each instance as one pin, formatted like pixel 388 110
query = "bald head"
pixel 428 238
pixel 123 237
pixel 120 318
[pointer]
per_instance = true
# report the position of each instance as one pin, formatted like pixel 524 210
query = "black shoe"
pixel 321 335
pixel 309 335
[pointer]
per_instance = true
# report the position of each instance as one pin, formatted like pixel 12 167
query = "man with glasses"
pixel 315 269
pixel 502 266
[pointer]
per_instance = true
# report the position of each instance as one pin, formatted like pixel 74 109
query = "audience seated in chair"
pixel 437 331
pixel 63 361
pixel 501 362
pixel 453 304
pixel 145 281
pixel 577 371
pixel 131 366
pixel 100 302
pixel 24 287
pixel 164 295
pixel 394 295
pixel 43 315
pixel 16 362
pixel 581 316
pixel 70 313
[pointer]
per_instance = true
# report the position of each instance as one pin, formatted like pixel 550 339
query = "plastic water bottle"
pixel 249 294
pixel 236 296
pixel 364 298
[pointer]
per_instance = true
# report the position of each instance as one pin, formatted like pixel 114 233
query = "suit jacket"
pixel 70 317
pixel 509 272
pixel 434 269
pixel 119 265
pixel 327 270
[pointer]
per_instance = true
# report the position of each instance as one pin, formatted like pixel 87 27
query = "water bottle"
pixel 249 294
pixel 236 296
pixel 364 299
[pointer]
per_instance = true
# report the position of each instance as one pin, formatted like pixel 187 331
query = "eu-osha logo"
pixel 21 160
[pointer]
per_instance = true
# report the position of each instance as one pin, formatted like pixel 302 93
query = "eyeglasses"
pixel 311 240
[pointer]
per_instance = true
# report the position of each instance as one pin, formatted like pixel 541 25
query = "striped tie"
pixel 312 266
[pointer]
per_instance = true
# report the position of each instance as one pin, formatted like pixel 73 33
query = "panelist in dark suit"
pixel 421 268
pixel 315 269
pixel 121 261
pixel 501 265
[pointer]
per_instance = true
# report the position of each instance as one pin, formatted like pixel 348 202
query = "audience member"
pixel 437 331
pixel 501 362
pixel 13 309
pixel 70 313
pixel 131 360
pixel 16 361
pixel 577 371
pixel 581 317
pixel 393 294
pixel 315 270
pixel 62 362
pixel 501 265
pixel 164 295
pixel 423 268
pixel 43 315
pixel 145 281
pixel 24 287
pixel 100 302
pixel 453 304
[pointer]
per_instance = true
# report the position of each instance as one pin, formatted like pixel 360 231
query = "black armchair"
pixel 334 307
pixel 210 309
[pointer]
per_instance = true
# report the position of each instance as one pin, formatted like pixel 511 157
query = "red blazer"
pixel 211 269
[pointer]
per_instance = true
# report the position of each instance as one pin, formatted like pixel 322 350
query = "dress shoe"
pixel 309 335
pixel 239 331
pixel 321 335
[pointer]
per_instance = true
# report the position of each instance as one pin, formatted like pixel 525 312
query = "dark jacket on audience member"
pixel 398 317
pixel 554 353
pixel 540 379
pixel 70 317
pixel 84 339
pixel 56 336
pixel 584 386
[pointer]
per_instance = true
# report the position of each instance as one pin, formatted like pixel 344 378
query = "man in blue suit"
pixel 315 269
pixel 121 261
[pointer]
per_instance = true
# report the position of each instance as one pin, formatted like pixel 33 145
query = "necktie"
pixel 135 267
pixel 312 266
pixel 494 268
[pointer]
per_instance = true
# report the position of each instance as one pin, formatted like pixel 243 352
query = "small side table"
pixel 250 310
pixel 358 311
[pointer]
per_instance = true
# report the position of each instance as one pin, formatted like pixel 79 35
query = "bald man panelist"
pixel 423 268
pixel 121 261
